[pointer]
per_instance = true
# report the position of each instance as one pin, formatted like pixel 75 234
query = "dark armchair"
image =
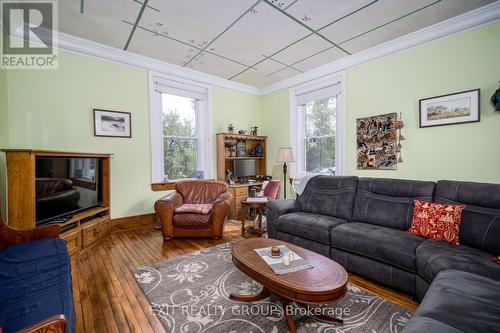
pixel 197 208
pixel 28 260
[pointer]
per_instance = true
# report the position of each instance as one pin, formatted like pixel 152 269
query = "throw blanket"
pixel 303 182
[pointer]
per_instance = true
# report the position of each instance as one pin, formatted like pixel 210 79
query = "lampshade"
pixel 285 155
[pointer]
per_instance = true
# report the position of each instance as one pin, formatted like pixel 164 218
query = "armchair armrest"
pixel 276 208
pixel 10 236
pixel 165 208
pixel 55 324
pixel 220 209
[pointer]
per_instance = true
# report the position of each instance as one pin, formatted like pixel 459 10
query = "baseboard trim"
pixel 133 222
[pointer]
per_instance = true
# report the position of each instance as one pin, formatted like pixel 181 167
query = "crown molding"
pixel 84 46
pixel 455 25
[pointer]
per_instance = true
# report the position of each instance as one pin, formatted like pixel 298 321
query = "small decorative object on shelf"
pixel 253 130
pixel 241 148
pixel 200 174
pixel 495 99
pixel 242 132
pixel 230 144
pixel 230 127
pixel 258 150
pixel 229 177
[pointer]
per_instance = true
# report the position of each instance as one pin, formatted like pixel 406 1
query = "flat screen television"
pixel 65 186
pixel 245 168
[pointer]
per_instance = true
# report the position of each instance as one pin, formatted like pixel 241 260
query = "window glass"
pixel 319 137
pixel 180 140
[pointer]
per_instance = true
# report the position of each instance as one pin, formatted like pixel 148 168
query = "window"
pixel 319 135
pixel 180 129
pixel 316 121
pixel 180 140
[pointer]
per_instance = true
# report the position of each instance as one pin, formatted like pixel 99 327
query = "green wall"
pixel 396 83
pixel 275 117
pixel 52 109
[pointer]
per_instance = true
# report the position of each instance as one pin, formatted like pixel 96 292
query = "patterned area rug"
pixel 191 294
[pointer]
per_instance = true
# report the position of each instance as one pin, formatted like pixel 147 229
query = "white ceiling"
pixel 257 42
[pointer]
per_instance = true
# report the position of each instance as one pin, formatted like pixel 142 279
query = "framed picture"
pixel 457 108
pixel 112 123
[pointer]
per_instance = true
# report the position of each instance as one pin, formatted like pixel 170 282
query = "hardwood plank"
pixel 108 298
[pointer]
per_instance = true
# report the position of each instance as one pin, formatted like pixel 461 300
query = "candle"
pixel 286 260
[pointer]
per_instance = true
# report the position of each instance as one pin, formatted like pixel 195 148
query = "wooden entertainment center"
pixel 83 228
pixel 225 159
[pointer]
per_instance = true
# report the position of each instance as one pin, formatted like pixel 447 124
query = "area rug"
pixel 191 294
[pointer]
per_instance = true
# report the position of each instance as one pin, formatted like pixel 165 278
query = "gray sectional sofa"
pixel 361 223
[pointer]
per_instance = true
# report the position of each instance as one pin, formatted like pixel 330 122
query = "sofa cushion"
pixel 462 301
pixel 389 202
pixel 436 221
pixel 310 226
pixel 392 246
pixel 434 256
pixel 191 221
pixel 480 226
pixel 35 283
pixel 330 196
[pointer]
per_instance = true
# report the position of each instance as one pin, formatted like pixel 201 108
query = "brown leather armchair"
pixel 181 215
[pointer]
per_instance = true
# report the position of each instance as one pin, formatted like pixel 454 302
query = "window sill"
pixel 166 186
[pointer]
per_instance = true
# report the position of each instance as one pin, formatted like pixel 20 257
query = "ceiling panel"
pixel 158 47
pixel 261 32
pixel 195 21
pixel 258 76
pixel 215 65
pixel 101 21
pixel 319 59
pixel 302 49
pixel 431 15
pixel 379 13
pixel 318 13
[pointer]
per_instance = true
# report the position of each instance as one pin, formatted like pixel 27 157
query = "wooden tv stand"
pixel 83 228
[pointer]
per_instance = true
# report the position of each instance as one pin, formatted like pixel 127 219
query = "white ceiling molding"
pixel 459 24
pixel 84 46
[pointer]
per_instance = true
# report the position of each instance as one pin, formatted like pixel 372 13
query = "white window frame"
pixel 203 127
pixel 297 121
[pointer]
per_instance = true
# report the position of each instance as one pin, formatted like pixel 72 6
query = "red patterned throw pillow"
pixel 437 221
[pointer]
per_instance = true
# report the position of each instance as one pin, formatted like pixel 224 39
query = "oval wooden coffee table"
pixel 325 283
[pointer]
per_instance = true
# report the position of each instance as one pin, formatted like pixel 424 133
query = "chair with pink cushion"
pixel 271 189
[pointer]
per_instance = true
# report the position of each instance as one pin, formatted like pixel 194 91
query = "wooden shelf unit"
pixel 89 225
pixel 224 161
pixel 239 190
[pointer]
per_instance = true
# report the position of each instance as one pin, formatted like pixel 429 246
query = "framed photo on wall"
pixel 457 108
pixel 112 123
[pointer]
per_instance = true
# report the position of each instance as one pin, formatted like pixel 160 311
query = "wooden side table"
pixel 259 208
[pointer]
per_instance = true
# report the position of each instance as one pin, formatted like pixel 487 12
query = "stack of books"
pixel 257 199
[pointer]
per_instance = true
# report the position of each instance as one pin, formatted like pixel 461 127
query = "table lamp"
pixel 285 155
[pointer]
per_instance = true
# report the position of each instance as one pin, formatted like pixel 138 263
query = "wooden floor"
pixel 107 297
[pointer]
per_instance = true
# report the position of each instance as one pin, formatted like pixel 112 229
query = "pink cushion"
pixel 194 208
pixel 271 189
